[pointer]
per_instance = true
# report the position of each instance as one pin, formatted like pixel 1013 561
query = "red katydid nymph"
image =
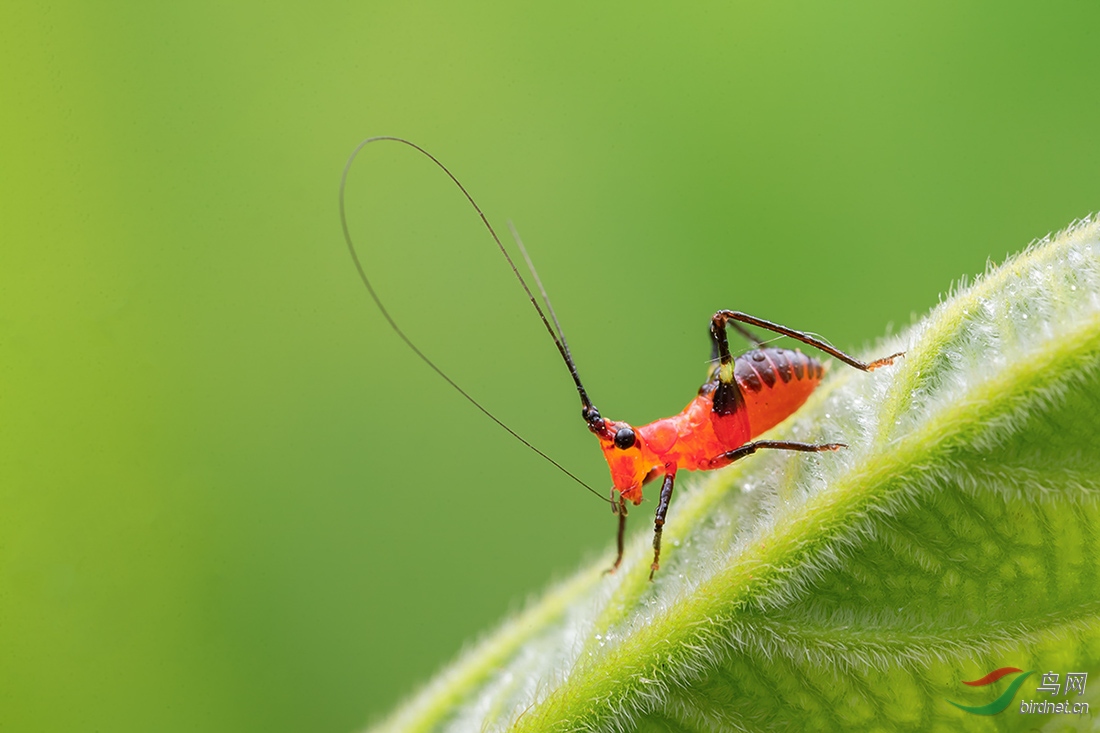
pixel 741 398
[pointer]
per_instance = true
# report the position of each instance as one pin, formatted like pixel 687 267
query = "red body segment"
pixel 773 383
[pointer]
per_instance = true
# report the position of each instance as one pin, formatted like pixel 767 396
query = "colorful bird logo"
pixel 1002 702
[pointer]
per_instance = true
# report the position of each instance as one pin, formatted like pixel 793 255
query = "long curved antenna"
pixel 542 289
pixel 587 404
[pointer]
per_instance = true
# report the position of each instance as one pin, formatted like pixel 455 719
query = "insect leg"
pixel 619 509
pixel 746 334
pixel 659 522
pixel 714 355
pixel 727 395
pixel 749 448
pixel 718 332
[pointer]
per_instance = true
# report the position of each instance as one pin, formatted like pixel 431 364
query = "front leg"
pixel 749 448
pixel 619 509
pixel 659 522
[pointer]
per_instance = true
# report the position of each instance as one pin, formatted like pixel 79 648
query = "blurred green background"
pixel 231 499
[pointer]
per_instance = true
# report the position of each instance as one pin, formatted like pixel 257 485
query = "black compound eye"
pixel 624 438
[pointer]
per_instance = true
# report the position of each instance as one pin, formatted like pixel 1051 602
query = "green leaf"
pixel 960 533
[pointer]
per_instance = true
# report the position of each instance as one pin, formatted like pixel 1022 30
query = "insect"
pixel 741 398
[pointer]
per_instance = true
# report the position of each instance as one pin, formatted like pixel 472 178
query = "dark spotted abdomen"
pixel 775 383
